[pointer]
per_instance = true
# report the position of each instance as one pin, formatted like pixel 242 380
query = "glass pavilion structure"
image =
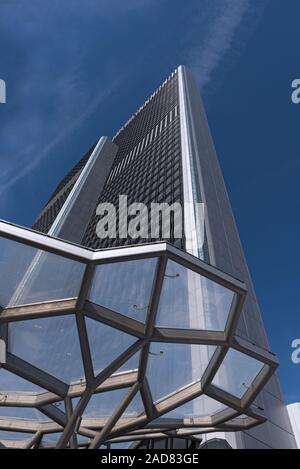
pixel 116 343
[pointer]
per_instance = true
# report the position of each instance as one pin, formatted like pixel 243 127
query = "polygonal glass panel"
pixel 21 413
pixel 102 405
pixel 237 373
pixel 130 365
pixel 6 435
pixel 107 343
pixel 29 275
pixel 10 382
pixel 124 287
pixel 202 406
pixel 173 366
pixel 50 344
pixel 135 407
pixel 191 301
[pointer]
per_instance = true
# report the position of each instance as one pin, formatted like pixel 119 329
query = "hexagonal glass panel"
pixel 50 344
pixel 124 287
pixel 29 275
pixel 10 382
pixel 107 343
pixel 191 301
pixel 237 373
pixel 173 366
pixel 202 406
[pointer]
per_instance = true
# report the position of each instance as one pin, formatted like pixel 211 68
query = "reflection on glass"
pixel 191 301
pixel 124 287
pixel 237 372
pixel 107 343
pixel 173 366
pixel 50 344
pixel 29 275
pixel 202 406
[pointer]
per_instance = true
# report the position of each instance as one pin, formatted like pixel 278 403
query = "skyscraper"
pixel 164 154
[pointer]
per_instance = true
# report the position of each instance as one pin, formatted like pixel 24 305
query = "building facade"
pixel 165 154
pixel 294 414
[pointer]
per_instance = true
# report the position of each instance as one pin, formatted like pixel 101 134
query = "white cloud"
pixel 13 175
pixel 218 38
pixel 40 133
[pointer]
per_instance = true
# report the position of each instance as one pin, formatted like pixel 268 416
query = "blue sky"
pixel 77 70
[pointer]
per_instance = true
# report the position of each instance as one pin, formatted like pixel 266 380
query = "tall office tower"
pixel 206 371
pixel 294 414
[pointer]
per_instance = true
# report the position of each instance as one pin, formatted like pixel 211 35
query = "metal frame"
pixel 118 427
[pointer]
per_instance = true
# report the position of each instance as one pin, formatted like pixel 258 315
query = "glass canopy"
pixel 96 344
pixel 30 275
